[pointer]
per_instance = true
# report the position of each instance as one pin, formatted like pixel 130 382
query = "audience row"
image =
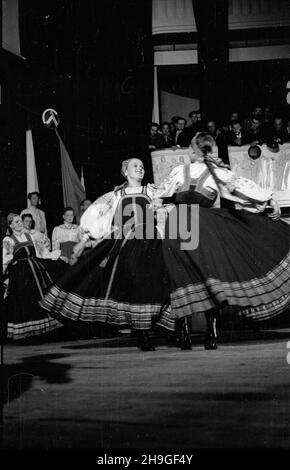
pixel 259 128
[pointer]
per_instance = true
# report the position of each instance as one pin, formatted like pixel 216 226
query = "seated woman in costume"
pixel 239 258
pixel 40 239
pixel 122 281
pixel 66 236
pixel 29 274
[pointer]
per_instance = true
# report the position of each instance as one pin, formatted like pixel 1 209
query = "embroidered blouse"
pixel 245 193
pixel 97 220
pixel 40 245
pixel 65 233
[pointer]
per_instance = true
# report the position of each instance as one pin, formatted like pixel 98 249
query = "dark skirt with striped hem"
pixel 241 261
pixel 29 279
pixel 120 282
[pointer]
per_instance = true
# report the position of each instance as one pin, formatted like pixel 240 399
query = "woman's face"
pixel 34 200
pixel 86 204
pixel 68 217
pixel 135 170
pixel 16 225
pixel 195 154
pixel 27 223
pixel 165 129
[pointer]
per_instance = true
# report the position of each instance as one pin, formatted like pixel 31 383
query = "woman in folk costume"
pixel 29 274
pixel 65 236
pixel 241 260
pixel 41 240
pixel 122 280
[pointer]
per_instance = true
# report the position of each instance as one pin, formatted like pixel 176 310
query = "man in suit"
pixel 237 136
pixel 180 136
pixel 193 128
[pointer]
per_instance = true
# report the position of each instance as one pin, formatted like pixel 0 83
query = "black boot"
pixel 143 341
pixel 183 337
pixel 211 334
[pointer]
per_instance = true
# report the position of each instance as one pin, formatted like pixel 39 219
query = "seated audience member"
pixel 191 130
pixel 278 131
pixel 84 205
pixel 180 137
pixel 66 235
pixel 220 138
pixel 237 136
pixel 267 122
pixel 267 116
pixel 167 136
pixel 41 239
pixel 173 125
pixel 255 132
pixel 155 140
pixel 37 214
pixel 258 113
pixel 212 129
pixel 28 222
pixel 234 116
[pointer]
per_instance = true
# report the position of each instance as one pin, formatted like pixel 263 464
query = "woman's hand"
pixel 73 259
pixel 64 258
pixel 156 204
pixel 276 213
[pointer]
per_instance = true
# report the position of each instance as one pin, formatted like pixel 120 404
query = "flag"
pixel 10 27
pixel 83 179
pixel 73 191
pixel 32 182
pixel 155 111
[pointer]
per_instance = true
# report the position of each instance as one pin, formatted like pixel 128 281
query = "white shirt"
pixel 65 233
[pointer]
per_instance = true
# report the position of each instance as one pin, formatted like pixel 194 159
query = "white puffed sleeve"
pixel 7 252
pixel 96 221
pixel 246 193
pixel 286 177
pixel 56 238
pixel 178 180
pixel 150 189
pixel 42 246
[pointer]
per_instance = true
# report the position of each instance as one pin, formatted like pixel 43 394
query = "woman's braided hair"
pixel 205 143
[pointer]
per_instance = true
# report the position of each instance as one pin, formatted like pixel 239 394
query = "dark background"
pixel 92 61
pixel 249 84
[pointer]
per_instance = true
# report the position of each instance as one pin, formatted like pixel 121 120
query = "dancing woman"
pixel 122 280
pixel 242 258
pixel 30 272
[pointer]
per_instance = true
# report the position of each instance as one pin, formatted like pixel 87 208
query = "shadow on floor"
pixel 18 378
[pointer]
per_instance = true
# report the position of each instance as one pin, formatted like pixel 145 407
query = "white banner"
pixel 32 181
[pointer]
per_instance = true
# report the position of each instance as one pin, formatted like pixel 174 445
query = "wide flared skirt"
pixel 28 280
pixel 241 261
pixel 120 282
